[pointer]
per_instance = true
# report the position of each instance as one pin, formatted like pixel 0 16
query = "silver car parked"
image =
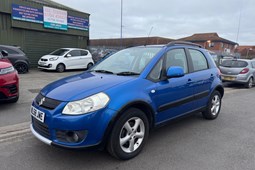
pixel 238 71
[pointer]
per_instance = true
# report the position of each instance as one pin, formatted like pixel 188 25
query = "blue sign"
pixel 25 13
pixel 78 23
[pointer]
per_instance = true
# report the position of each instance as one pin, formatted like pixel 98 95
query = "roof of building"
pixel 130 41
pixel 203 37
pixel 54 4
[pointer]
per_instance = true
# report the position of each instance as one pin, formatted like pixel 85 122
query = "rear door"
pixel 202 76
pixel 74 60
pixel 85 58
pixel 175 96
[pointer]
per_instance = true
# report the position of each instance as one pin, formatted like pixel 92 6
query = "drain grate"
pixel 34 90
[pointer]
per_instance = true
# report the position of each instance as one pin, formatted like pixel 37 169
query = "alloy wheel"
pixel 215 105
pixel 132 135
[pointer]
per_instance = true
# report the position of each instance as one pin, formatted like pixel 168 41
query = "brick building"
pixel 213 42
pixel 246 51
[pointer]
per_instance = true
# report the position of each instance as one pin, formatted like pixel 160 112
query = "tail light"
pixel 244 71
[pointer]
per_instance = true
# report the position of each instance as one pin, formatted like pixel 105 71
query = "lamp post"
pixel 121 26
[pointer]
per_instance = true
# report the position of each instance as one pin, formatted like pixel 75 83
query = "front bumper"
pixel 48 65
pixel 9 86
pixel 95 125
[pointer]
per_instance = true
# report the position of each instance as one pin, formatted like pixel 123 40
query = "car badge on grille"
pixel 41 102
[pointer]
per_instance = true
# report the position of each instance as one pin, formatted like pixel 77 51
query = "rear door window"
pixel 84 53
pixel 234 63
pixel 75 53
pixel 198 60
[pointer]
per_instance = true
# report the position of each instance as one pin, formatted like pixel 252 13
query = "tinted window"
pixel 83 53
pixel 177 57
pixel 75 53
pixel 10 51
pixel 198 60
pixel 234 63
pixel 59 52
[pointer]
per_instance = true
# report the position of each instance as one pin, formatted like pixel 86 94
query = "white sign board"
pixel 54 18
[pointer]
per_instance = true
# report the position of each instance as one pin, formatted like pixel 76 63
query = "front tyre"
pixel 213 108
pixel 129 134
pixel 60 68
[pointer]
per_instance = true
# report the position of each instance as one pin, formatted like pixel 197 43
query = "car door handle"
pixel 189 81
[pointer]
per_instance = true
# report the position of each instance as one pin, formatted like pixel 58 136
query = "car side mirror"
pixel 68 55
pixel 175 71
pixel 4 53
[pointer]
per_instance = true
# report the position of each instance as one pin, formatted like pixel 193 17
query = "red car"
pixel 9 82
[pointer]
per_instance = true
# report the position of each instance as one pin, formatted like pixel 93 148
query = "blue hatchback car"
pixel 116 103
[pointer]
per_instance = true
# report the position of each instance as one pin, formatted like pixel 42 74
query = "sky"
pixel 169 18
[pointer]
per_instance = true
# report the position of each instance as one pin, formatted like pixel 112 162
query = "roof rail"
pixel 172 43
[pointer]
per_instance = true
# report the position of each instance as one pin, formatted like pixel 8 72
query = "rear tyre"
pixel 89 65
pixel 129 134
pixel 213 108
pixel 60 68
pixel 249 84
pixel 21 67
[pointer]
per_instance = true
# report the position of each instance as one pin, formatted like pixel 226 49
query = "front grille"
pixel 12 88
pixel 44 59
pixel 2 96
pixel 46 103
pixel 41 128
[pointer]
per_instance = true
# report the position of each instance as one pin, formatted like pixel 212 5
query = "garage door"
pixel 38 44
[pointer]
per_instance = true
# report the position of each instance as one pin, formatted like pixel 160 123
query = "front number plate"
pixel 39 115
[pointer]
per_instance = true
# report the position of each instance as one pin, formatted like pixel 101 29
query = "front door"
pixel 175 96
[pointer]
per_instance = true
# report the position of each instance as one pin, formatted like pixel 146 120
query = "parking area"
pixel 193 143
pixel 32 82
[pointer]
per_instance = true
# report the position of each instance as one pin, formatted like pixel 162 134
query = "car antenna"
pixel 148 36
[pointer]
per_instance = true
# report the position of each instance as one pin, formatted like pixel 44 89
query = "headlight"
pixel 7 70
pixel 53 58
pixel 90 104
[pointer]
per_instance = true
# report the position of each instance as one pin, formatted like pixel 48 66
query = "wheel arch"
pixel 220 89
pixel 143 106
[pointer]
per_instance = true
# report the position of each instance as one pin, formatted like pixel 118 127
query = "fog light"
pixel 50 65
pixel 71 136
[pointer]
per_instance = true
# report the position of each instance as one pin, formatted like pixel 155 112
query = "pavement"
pixel 192 143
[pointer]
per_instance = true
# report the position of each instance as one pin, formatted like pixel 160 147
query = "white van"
pixel 66 58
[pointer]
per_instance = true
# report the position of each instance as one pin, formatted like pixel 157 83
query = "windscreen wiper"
pixel 103 71
pixel 127 73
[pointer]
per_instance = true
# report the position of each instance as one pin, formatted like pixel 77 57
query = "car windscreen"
pixel 234 63
pixel 59 52
pixel 128 61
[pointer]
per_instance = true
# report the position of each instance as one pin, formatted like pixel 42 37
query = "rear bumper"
pixel 242 79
